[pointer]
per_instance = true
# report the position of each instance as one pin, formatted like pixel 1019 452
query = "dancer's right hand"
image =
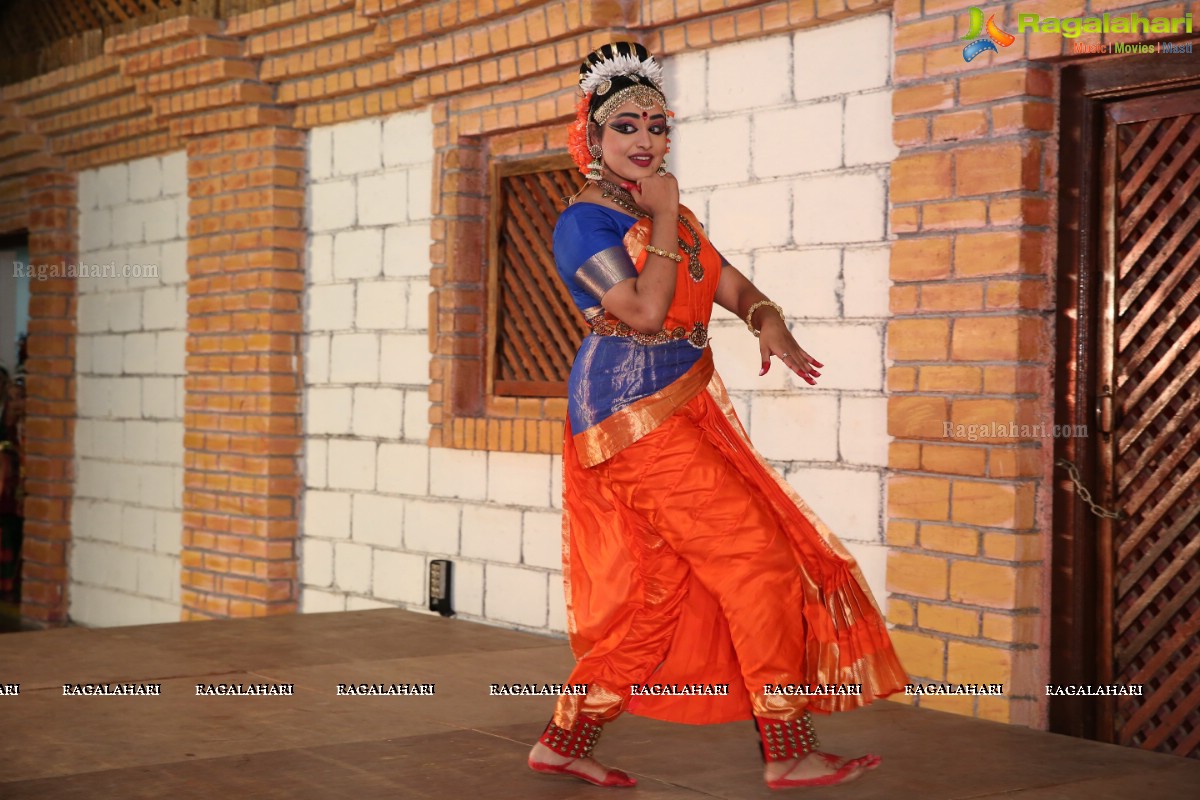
pixel 658 194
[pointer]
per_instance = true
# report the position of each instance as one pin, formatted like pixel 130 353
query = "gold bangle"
pixel 660 252
pixel 756 307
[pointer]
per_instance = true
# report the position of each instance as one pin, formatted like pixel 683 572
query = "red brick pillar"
pixel 49 446
pixel 968 511
pixel 243 434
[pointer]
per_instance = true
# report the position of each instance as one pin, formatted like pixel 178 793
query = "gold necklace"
pixel 624 199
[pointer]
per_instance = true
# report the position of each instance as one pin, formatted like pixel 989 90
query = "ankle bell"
pixel 576 742
pixel 787 739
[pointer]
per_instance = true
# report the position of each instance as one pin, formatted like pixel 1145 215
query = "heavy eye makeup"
pixel 658 128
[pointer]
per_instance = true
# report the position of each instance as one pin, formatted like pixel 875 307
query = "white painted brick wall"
pixel 124 561
pixel 787 172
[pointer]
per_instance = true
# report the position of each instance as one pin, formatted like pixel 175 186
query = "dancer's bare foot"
pixel 543 759
pixel 817 769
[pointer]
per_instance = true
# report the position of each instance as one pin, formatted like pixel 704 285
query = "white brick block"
pixel 155 574
pixel 140 444
pixel 351 464
pixel 466 588
pixel 92 314
pixel 168 535
pixel 93 398
pixel 84 448
pixel 320 153
pixel 556 481
pixel 795 427
pixel 383 199
pixel 161 486
pixel 404 359
pixel 357 147
pixel 819 210
pixel 558 604
pixel 408 138
pixel 403 468
pixel 113 185
pixel 852 354
pixel 161 219
pixel 331 307
pixel 171 357
pixel 826 491
pixel 182 210
pixel 381 305
pixel 331 205
pixel 417 317
pixel 101 521
pixel 458 473
pixel 105 565
pixel 88 196
pixel 327 514
pixel 358 254
pixel 95 229
pixel 108 436
pixel 328 410
pixel 378 413
pixel 157 398
pixel 140 350
pixel 315 601
pixel 863 436
pixel 316 562
pixel 841 58
pixel 872 560
pixel 542 541
pixel 172 269
pixel 406 250
pixel 164 308
pixel 125 395
pixel 805 282
pixel 416 415
pixel 316 463
pixel 145 179
pixel 491 534
pixel 125 311
pixel 750 216
pixel 92 479
pixel 869 129
pixel 711 152
pixel 378 520
pixel 174 173
pixel 316 359
pixel 866 282
pixel 143 258
pixel 168 442
pixel 137 528
pixel 520 479
pixel 791 141
pixel 352 567
pixel 686 76
pixel 767 60
pixel 420 192
pixel 320 258
pixel 431 527
pixel 354 358
pixel 400 577
pixel 516 595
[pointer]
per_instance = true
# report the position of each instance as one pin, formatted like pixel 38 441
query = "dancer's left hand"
pixel 776 340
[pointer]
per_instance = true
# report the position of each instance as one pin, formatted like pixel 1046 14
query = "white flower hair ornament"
pixel 622 64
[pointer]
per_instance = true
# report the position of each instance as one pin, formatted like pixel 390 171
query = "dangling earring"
pixel 595 168
pixel 662 167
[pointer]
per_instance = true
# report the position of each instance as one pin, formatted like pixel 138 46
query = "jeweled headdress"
pixel 608 78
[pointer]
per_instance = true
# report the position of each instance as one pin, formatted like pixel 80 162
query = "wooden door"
pixel 1136 382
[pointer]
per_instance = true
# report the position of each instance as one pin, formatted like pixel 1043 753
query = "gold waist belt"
pixel 697 337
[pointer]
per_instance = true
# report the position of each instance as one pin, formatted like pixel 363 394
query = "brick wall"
pixel 129 376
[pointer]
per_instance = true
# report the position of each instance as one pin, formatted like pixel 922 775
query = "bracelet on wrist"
pixel 756 307
pixel 658 251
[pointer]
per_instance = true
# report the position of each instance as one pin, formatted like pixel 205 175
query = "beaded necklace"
pixel 624 199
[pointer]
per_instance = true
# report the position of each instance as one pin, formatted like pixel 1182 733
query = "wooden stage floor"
pixel 459 742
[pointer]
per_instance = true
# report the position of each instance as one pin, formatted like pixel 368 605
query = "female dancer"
pixel 688 561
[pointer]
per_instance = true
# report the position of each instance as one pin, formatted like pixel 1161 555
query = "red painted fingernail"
pixel 766 366
pixel 818 363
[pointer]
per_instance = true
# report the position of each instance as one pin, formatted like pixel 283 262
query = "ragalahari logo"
pixel 995 36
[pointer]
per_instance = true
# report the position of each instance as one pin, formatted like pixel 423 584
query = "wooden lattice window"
pixel 533 328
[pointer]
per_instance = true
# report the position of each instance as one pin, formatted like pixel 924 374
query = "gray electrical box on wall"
pixel 439 587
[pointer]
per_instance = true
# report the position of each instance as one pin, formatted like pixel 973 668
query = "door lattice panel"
pixel 538 327
pixel 1156 549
